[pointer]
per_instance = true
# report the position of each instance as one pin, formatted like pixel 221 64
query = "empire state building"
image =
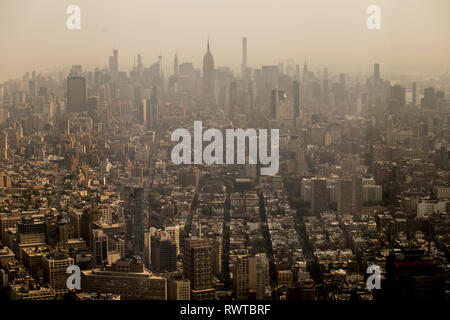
pixel 208 75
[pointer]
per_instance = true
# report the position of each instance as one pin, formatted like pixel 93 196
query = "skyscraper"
pixel 140 67
pixel 319 197
pixel 152 106
pixel 175 66
pixel 244 58
pixel 99 247
pixel 398 94
pixel 76 94
pixel 31 231
pixel 306 87
pixel 296 92
pixel 344 196
pixel 376 71
pixel 114 64
pixel 163 252
pixel 232 99
pixel 142 112
pixel 251 277
pixel 198 268
pixel 429 98
pixel 54 266
pixel 174 232
pixel 208 75
pixel 138 220
pixel 349 195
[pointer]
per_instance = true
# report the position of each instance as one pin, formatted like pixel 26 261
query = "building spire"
pixel 208 42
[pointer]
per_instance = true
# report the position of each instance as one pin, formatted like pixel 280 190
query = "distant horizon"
pixel 412 39
pixel 168 67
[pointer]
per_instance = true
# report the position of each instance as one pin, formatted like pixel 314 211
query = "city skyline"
pixel 411 38
pixel 178 153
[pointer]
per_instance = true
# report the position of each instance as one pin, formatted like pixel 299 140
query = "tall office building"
pixel 99 247
pixel 114 64
pixel 244 58
pixel 198 268
pixel 31 231
pixel 164 252
pixel 75 220
pixel 142 112
pixel 175 66
pixel 138 220
pixel 152 109
pixel 147 255
pixel 216 255
pixel 278 98
pixel 296 93
pixel 174 232
pixel 349 195
pixel 138 96
pixel 4 146
pixel 319 196
pixel 92 105
pixel 306 86
pixel 251 277
pixel 178 289
pixel 414 93
pixel 376 71
pixel 398 94
pixel 55 266
pixel 356 195
pixel 344 196
pixel 76 94
pixel 208 75
pixel 139 67
pixel 429 98
pixel 232 100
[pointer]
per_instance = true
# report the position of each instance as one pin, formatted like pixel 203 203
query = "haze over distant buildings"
pixel 413 37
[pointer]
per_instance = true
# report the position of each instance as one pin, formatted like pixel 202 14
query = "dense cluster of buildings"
pixel 86 179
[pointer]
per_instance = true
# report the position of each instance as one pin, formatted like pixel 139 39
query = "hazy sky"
pixel 414 35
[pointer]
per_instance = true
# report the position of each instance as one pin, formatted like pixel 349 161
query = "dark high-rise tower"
pixel 319 196
pixel 208 75
pixel 138 220
pixel 414 93
pixel 244 58
pixel 429 98
pixel 296 93
pixel 349 195
pixel 232 99
pixel 273 103
pixel 140 66
pixel 175 66
pixel 114 64
pixel 76 94
pixel 99 247
pixel 198 268
pixel 398 93
pixel 376 71
pixel 151 112
pixel 163 252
